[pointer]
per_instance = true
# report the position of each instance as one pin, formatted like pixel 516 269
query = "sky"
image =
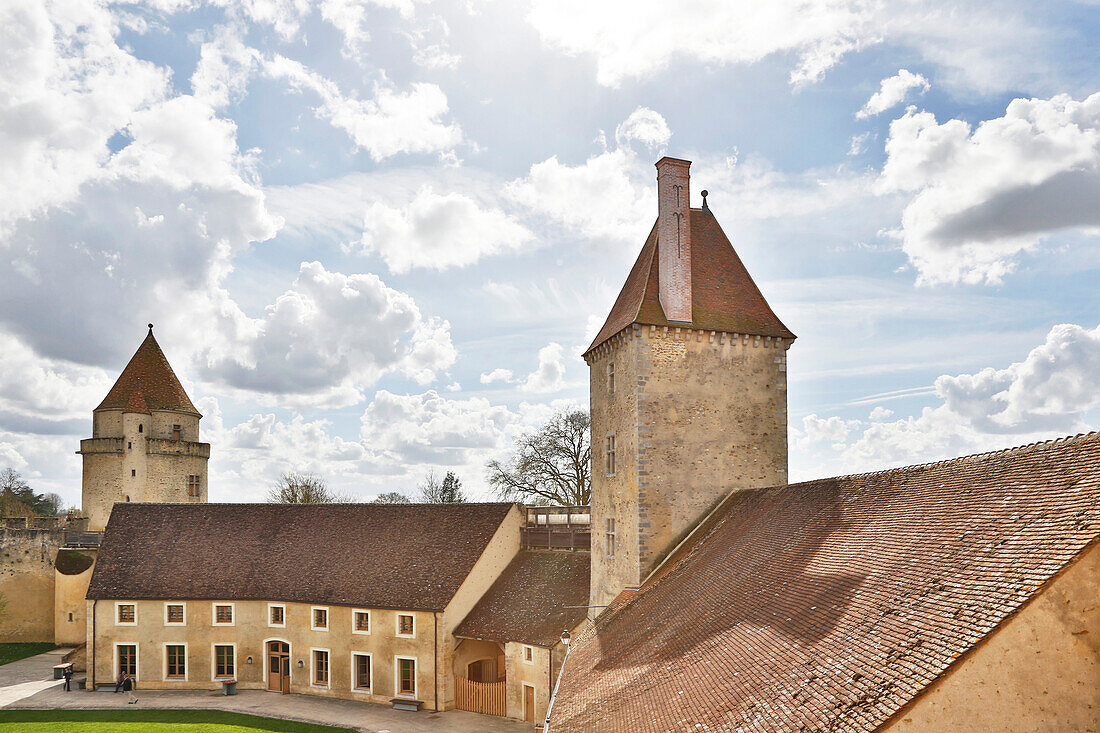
pixel 375 236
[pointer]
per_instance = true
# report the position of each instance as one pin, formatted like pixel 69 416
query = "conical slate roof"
pixel 147 383
pixel 723 294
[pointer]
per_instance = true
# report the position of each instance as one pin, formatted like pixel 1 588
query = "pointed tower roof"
pixel 148 383
pixel 723 294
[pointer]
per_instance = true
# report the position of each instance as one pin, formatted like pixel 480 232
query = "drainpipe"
pixel 557 683
pixel 435 659
pixel 92 675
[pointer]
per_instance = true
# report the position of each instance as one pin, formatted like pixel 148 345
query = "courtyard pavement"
pixel 29 683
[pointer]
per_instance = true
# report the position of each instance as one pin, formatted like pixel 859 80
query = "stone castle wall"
pixel 696 414
pixel 27 580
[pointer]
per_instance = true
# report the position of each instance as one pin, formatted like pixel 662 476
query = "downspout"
pixel 435 658
pixel 554 696
pixel 92 675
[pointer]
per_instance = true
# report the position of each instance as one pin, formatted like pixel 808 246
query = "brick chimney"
pixel 674 238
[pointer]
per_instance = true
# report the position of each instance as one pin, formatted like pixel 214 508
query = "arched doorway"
pixel 278 666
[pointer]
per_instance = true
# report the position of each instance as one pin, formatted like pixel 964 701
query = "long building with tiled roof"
pixel 833 605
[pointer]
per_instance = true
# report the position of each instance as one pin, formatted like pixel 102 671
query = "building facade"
pixel 687 389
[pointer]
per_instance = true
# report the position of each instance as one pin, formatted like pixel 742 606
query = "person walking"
pixel 68 674
pixel 121 679
pixel 128 685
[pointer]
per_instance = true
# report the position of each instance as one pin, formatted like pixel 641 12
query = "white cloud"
pixel 549 375
pixel 439 231
pixel 644 126
pixel 892 92
pixel 497 375
pixel 392 122
pixel 977 45
pixel 982 196
pixel 225 67
pixel 880 413
pixel 328 336
pixel 1044 396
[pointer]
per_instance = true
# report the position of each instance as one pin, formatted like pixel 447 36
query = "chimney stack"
pixel 674 238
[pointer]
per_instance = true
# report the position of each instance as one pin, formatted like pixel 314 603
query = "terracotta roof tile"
pixel 830 604
pixel 404 556
pixel 527 603
pixel 149 369
pixel 723 296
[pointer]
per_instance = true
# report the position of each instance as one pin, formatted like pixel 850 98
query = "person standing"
pixel 128 685
pixel 68 674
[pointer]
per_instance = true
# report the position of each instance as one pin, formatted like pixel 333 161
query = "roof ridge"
pixel 944 461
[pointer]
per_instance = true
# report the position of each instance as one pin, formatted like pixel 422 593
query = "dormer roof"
pixel 724 296
pixel 147 383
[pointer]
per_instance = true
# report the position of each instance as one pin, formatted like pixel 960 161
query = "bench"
pixel 229 687
pixel 404 703
pixel 59 669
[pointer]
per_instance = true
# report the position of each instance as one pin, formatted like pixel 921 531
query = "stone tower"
pixel 688 391
pixel 145 440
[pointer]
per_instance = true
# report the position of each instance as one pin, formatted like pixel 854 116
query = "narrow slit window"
pixel 610 534
pixel 610 452
pixel 611 377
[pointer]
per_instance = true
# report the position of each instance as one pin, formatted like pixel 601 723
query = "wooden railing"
pixel 557 528
pixel 488 698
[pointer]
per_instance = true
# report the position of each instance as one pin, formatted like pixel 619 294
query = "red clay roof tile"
pixel 830 604
pixel 149 369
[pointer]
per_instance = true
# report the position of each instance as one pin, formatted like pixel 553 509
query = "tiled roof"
pixel 405 556
pixel 723 294
pixel 830 604
pixel 149 370
pixel 528 602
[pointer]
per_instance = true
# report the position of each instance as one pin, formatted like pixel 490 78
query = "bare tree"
pixel 447 491
pixel 551 464
pixel 303 488
pixel 392 497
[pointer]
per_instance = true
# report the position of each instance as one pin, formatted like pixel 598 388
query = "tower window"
pixel 194 486
pixel 129 445
pixel 611 377
pixel 133 472
pixel 141 428
pixel 609 526
pixel 176 430
pixel 610 453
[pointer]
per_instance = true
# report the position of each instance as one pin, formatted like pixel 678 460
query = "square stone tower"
pixel 688 391
pixel 145 440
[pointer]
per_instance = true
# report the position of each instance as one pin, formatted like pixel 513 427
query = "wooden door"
pixel 278 666
pixel 529 704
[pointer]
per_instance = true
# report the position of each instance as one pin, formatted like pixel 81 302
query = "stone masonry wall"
pixel 27 583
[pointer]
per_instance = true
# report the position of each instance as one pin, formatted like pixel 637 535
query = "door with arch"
pixel 278 666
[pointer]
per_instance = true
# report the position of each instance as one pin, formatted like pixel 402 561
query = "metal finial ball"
pixel 705 193
pixel 150 326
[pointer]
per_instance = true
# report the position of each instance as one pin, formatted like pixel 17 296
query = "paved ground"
pixel 31 685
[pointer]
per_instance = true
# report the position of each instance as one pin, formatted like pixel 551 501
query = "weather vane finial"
pixel 705 192
pixel 150 328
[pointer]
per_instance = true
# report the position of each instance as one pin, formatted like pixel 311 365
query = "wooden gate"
pixel 481 697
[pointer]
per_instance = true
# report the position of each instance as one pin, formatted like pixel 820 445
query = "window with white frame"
pixel 609 533
pixel 225 661
pixel 320 667
pixel 361 672
pixel 360 621
pixel 174 614
pixel 125 614
pixel 223 614
pixel 609 453
pixel 528 654
pixel 175 661
pixel 126 659
pixel 318 618
pixel 405 676
pixel 406 625
pixel 276 615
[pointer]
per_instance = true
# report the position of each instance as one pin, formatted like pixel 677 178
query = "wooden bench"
pixel 404 703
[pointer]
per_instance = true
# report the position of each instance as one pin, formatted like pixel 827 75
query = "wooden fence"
pixel 488 698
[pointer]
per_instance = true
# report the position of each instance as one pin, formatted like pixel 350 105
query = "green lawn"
pixel 149 721
pixel 15 650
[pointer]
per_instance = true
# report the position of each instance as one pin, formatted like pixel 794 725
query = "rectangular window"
pixel 223 614
pixel 176 654
pixel 405 625
pixel 610 533
pixel 320 619
pixel 176 430
pixel 127 658
pixel 611 377
pixel 360 672
pixel 276 615
pixel 360 622
pixel 320 667
pixel 224 662
pixel 406 676
pixel 610 453
pixel 528 655
pixel 126 613
pixel 194 486
pixel 173 614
